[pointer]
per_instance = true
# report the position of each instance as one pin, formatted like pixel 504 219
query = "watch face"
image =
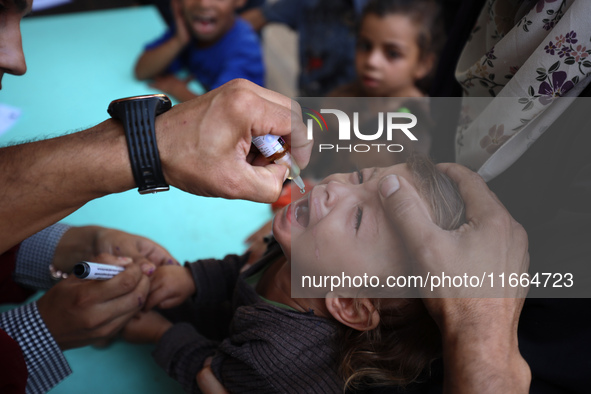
pixel 163 105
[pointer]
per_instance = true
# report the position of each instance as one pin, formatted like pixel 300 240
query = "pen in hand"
pixel 96 271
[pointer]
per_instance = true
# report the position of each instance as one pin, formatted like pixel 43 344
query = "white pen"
pixel 97 271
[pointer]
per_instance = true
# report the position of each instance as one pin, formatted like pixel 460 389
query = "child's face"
pixel 388 57
pixel 12 58
pixel 341 226
pixel 209 20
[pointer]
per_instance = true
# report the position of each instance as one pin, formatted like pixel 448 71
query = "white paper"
pixel 8 117
pixel 43 4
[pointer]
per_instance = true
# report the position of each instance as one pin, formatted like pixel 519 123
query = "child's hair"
pixel 407 339
pixel 427 15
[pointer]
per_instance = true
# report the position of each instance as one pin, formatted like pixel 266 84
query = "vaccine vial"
pixel 275 149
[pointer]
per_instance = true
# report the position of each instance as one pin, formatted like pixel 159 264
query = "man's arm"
pixel 204 146
pixel 44 181
pixel 480 349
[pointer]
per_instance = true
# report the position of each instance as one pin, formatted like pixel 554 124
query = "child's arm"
pixel 155 60
pixel 175 87
pixel 181 351
pixel 215 280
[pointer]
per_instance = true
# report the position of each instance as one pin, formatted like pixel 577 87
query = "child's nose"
pixel 374 58
pixel 337 190
pixel 206 3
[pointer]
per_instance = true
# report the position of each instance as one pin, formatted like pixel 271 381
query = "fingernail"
pixel 389 185
pixel 140 301
pixel 148 268
pixel 124 260
pixel 286 175
pixel 170 262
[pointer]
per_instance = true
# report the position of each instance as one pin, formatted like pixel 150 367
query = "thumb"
pixel 408 213
pixel 267 182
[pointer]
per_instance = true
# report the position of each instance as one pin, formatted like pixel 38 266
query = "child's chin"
pixel 282 231
pixel 206 37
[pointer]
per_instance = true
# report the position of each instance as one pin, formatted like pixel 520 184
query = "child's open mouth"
pixel 204 25
pixel 302 211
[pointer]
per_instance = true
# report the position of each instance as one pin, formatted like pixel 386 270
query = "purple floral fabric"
pixel 523 59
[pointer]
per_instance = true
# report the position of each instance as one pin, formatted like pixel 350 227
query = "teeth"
pixel 302 214
pixel 204 19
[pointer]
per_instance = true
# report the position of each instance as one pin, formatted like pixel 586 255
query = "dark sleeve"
pixel 276 351
pixel 13 371
pixel 46 364
pixel 215 279
pixel 181 353
pixel 10 291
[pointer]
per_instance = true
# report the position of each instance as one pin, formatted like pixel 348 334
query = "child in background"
pixel 210 42
pixel 398 43
pixel 326 38
pixel 277 343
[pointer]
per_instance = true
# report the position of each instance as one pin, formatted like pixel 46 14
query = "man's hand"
pixel 205 143
pixel 479 334
pixel 90 242
pixel 81 312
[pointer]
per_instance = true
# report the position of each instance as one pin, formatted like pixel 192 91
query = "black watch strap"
pixel 138 116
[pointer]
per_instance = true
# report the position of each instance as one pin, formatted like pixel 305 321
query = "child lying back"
pixel 277 343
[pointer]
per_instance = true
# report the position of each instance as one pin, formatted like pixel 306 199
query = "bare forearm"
pixel 477 361
pixel 45 181
pixel 154 61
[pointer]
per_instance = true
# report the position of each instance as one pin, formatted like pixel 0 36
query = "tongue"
pixel 302 215
pixel 203 26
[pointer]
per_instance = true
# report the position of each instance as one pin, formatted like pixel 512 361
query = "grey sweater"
pixel 269 350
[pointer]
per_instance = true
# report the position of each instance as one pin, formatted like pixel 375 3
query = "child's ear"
pixel 359 314
pixel 424 66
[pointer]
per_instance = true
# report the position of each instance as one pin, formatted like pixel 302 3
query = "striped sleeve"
pixel 46 363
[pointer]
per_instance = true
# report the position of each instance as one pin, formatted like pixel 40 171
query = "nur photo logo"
pixel 388 124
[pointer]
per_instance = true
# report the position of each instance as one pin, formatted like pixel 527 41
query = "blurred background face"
pixel 387 55
pixel 209 20
pixel 340 226
pixel 12 58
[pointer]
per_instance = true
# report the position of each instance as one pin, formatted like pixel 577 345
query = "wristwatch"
pixel 138 117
